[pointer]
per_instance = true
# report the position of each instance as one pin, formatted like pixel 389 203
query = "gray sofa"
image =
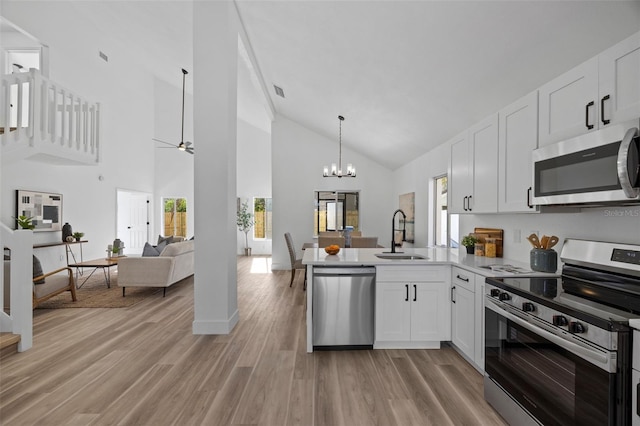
pixel 175 263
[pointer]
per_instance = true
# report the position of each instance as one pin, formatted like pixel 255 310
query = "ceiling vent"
pixel 103 56
pixel 279 91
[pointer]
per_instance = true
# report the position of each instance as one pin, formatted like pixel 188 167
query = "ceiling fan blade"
pixel 161 141
pixel 187 143
pixel 189 150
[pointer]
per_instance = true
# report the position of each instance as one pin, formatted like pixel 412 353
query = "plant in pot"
pixel 469 241
pixel 245 223
pixel 78 235
pixel 24 222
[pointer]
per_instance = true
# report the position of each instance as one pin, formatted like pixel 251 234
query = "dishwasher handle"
pixel 337 271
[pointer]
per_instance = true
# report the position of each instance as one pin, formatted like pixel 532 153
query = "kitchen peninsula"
pixel 414 297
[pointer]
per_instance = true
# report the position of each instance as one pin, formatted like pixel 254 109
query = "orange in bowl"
pixel 332 249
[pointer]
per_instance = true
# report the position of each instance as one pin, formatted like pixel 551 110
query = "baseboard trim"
pixel 216 327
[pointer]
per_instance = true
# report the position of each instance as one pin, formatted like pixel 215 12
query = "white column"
pixel 215 52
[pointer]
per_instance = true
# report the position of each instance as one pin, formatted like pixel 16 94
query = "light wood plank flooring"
pixel 142 366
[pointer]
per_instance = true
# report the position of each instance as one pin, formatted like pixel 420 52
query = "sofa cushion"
pixel 37 270
pixel 162 239
pixel 149 250
pixel 177 249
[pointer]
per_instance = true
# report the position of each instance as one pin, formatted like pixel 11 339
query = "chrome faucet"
pixel 393 229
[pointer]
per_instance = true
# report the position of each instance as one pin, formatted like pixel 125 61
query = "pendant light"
pixel 336 170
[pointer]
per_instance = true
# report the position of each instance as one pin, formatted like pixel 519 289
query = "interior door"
pixel 133 220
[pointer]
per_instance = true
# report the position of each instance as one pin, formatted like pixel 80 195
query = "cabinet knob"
pixel 586 115
pixel 576 327
pixel 504 296
pixel 528 307
pixel 560 320
pixel 494 292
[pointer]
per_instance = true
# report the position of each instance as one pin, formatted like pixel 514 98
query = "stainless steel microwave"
pixel 598 168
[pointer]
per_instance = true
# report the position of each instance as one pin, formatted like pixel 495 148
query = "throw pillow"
pixel 149 250
pixel 37 270
pixel 168 239
pixel 161 246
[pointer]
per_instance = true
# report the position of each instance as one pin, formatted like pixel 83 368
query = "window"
pixel 446 225
pixel 335 210
pixel 175 216
pixel 21 60
pixel 262 213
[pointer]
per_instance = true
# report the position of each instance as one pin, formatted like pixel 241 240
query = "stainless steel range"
pixel 559 350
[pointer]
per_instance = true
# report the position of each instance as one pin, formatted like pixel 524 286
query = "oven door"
pixel 551 380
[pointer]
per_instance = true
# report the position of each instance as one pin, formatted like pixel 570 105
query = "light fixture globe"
pixel 336 170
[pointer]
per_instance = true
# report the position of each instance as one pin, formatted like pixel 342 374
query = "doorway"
pixel 133 224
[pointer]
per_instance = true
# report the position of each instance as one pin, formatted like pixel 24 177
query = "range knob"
pixel 495 292
pixel 528 307
pixel 504 296
pixel 560 320
pixel 576 327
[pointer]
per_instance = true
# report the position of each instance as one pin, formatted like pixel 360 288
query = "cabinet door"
pixel 483 138
pixel 517 138
pixel 393 312
pixel 619 82
pixel 568 104
pixel 430 312
pixel 462 320
pixel 459 185
pixel 478 357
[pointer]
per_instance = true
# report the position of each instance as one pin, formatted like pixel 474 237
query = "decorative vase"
pixel 247 251
pixel 66 232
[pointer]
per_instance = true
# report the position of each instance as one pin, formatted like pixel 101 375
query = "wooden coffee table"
pixel 105 264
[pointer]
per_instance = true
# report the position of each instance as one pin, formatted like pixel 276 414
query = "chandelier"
pixel 336 171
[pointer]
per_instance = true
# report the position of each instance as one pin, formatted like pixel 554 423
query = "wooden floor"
pixel 142 366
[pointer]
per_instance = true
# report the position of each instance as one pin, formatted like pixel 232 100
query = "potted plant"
pixel 78 235
pixel 245 223
pixel 469 241
pixel 24 222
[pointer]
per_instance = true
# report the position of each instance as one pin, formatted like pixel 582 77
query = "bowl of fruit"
pixel 332 249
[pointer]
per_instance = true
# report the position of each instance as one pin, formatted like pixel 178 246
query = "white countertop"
pixel 435 256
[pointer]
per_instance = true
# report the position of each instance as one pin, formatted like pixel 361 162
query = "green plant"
pixel 78 235
pixel 24 222
pixel 245 222
pixel 115 250
pixel 469 241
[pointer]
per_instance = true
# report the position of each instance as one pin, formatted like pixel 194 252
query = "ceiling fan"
pixel 182 146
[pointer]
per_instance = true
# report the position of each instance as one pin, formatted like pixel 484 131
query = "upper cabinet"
pixel 474 169
pixel 598 92
pixel 517 138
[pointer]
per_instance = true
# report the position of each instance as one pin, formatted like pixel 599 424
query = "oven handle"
pixel 623 165
pixel 599 359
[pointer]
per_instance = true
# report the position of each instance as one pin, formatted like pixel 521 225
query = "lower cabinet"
pixel 412 307
pixel 467 315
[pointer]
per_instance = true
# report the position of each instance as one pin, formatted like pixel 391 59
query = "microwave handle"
pixel 623 170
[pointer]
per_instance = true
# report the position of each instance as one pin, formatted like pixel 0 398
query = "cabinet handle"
pixel 529 198
pixel 415 292
pixel 469 202
pixel 604 121
pixel 406 288
pixel 453 289
pixel 461 278
pixel 464 204
pixel 586 115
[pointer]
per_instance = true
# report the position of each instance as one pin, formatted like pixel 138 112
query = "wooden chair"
pixel 364 242
pixel 55 282
pixel 327 241
pixel 296 263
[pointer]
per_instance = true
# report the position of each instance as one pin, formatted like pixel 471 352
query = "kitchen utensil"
pixel 553 240
pixel 533 239
pixel 544 241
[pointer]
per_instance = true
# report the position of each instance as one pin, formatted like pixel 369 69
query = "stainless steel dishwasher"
pixel 343 304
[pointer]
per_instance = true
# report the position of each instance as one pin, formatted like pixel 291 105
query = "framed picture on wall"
pixel 44 208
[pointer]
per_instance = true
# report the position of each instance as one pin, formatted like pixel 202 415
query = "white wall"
pixel 298 156
pixel 125 92
pixel 254 176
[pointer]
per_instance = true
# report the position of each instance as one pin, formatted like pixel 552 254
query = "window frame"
pixel 266 233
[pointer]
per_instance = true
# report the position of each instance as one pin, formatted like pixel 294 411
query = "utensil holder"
pixel 542 260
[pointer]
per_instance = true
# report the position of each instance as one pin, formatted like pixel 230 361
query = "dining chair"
pixel 296 263
pixel 329 234
pixel 356 233
pixel 364 242
pixel 328 241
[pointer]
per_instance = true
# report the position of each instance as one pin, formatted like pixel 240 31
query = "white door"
pixel 133 220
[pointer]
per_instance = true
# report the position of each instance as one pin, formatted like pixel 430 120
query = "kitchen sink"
pixel 400 256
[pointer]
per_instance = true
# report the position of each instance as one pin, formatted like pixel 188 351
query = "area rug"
pixel 95 294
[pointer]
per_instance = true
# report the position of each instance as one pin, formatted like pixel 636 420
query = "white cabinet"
pixel 517 138
pixel 467 315
pixel 474 169
pixel 603 90
pixel 412 307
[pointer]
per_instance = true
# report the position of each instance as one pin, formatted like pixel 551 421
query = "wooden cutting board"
pixel 498 234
